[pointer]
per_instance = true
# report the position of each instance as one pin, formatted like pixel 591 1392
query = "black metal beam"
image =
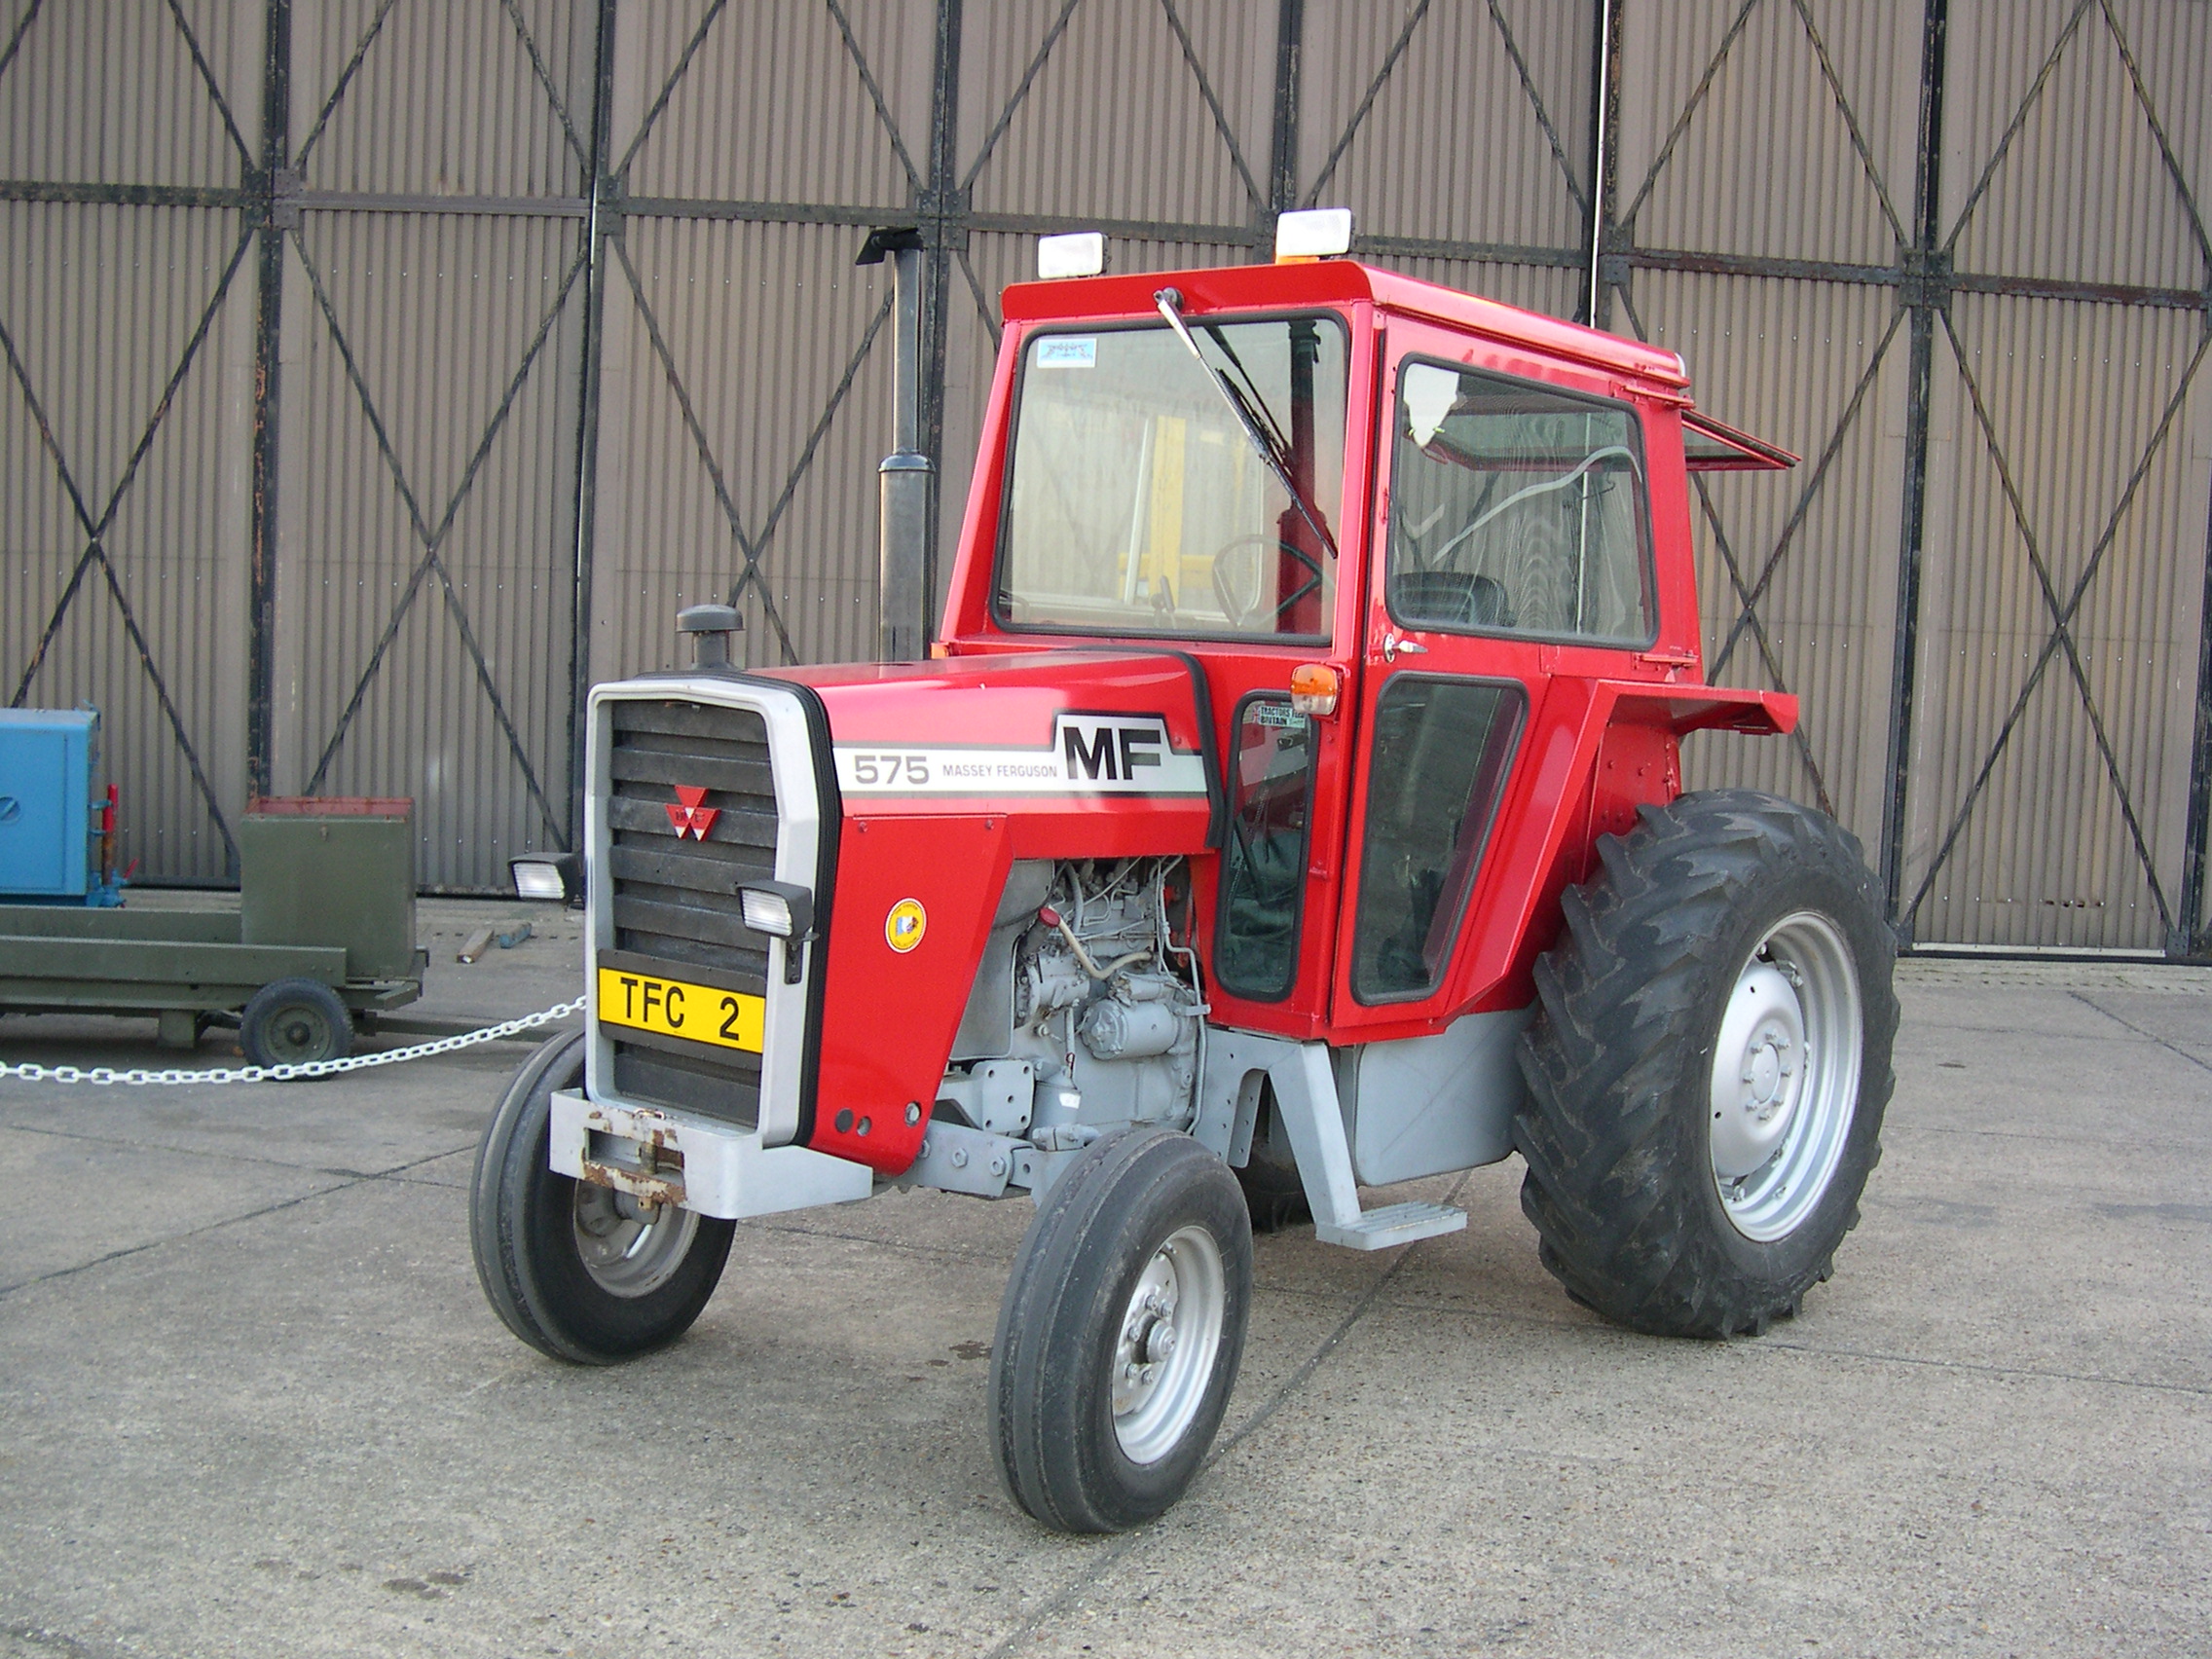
pixel 133 194
pixel 953 220
pixel 268 329
pixel 2191 936
pixel 1604 134
pixel 587 419
pixel 1282 143
pixel 944 205
pixel 1925 302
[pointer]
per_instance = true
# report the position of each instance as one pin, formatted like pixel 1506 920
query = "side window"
pixel 1517 508
pixel 1263 868
pixel 1442 748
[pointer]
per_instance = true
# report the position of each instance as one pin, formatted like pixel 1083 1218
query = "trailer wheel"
pixel 295 1022
pixel 1121 1332
pixel 1709 1066
pixel 579 1272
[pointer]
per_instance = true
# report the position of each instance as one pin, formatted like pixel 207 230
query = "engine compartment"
pixel 1085 1011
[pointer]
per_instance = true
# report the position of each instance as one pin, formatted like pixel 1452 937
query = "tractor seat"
pixel 1451 599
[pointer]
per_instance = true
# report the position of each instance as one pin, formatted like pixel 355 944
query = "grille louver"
pixel 674 898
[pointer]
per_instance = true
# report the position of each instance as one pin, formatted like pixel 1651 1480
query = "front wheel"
pixel 1709 1066
pixel 579 1272
pixel 1121 1333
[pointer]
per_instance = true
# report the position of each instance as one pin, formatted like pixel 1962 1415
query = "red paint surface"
pixel 889 1016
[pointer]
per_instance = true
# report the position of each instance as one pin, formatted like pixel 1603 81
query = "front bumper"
pixel 664 1155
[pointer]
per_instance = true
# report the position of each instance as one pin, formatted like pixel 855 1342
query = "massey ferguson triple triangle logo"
pixel 690 813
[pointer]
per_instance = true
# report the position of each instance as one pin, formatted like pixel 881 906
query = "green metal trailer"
pixel 322 942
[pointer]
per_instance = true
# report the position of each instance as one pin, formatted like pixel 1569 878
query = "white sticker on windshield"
pixel 1064 352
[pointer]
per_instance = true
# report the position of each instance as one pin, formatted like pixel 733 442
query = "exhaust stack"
pixel 902 632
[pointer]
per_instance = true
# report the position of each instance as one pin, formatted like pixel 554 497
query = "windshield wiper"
pixel 1170 304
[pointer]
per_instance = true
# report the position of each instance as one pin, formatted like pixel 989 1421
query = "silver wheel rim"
pixel 1785 1082
pixel 1165 1352
pixel 630 1248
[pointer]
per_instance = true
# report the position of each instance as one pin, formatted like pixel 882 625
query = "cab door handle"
pixel 1393 644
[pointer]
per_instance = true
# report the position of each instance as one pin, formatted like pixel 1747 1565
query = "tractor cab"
pixel 1410 536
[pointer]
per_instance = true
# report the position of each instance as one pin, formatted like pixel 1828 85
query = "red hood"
pixel 1079 747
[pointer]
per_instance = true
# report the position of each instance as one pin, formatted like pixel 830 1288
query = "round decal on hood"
pixel 904 927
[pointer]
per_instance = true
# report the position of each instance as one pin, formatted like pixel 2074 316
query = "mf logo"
pixel 690 813
pixel 1111 749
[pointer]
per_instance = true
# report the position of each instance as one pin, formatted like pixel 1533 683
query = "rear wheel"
pixel 1121 1333
pixel 580 1272
pixel 1709 1066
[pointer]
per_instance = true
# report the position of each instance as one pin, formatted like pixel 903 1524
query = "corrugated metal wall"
pixel 2068 478
pixel 1753 142
pixel 546 309
pixel 124 442
pixel 744 401
pixel 432 354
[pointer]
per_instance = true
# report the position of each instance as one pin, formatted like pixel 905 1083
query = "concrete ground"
pixel 252 1402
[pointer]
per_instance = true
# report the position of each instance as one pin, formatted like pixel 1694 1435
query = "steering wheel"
pixel 1241 578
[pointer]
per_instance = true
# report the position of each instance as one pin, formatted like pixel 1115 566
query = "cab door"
pixel 1511 564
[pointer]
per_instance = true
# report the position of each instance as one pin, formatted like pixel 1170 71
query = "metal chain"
pixel 306 1069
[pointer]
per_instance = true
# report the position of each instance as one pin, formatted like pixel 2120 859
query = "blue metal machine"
pixel 55 839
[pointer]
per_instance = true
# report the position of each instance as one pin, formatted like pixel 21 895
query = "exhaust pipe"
pixel 904 478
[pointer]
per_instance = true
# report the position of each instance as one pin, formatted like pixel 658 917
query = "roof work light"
pixel 1078 253
pixel 1317 232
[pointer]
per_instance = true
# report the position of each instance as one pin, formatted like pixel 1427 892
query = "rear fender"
pixel 1602 749
pixel 1639 754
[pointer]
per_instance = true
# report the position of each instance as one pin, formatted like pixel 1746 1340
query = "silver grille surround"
pixel 797 842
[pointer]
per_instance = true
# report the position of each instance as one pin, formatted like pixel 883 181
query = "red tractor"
pixel 1291 803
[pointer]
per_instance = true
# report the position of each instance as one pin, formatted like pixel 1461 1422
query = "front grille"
pixel 675 898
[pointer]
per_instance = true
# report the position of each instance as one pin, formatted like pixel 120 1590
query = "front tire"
pixel 1709 1066
pixel 579 1272
pixel 1121 1333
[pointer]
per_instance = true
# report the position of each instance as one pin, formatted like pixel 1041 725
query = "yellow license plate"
pixel 676 1008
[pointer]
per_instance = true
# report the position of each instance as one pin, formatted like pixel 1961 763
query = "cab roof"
pixel 1342 282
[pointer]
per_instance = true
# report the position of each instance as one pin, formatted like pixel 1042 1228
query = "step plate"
pixel 1393 1224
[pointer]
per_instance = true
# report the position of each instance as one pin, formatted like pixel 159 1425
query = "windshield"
pixel 1139 502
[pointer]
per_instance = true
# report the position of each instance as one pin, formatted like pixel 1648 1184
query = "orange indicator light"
pixel 1313 690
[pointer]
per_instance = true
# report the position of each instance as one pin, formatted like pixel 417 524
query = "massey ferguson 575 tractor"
pixel 1291 804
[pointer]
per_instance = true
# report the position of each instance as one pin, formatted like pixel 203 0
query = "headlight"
pixel 557 876
pixel 781 909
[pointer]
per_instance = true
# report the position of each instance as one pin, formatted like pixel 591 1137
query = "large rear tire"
pixel 1709 1066
pixel 1121 1333
pixel 578 1271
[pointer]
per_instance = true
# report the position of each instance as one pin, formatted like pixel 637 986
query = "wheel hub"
pixel 1784 1077
pixel 1163 1351
pixel 630 1248
pixel 1754 1099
